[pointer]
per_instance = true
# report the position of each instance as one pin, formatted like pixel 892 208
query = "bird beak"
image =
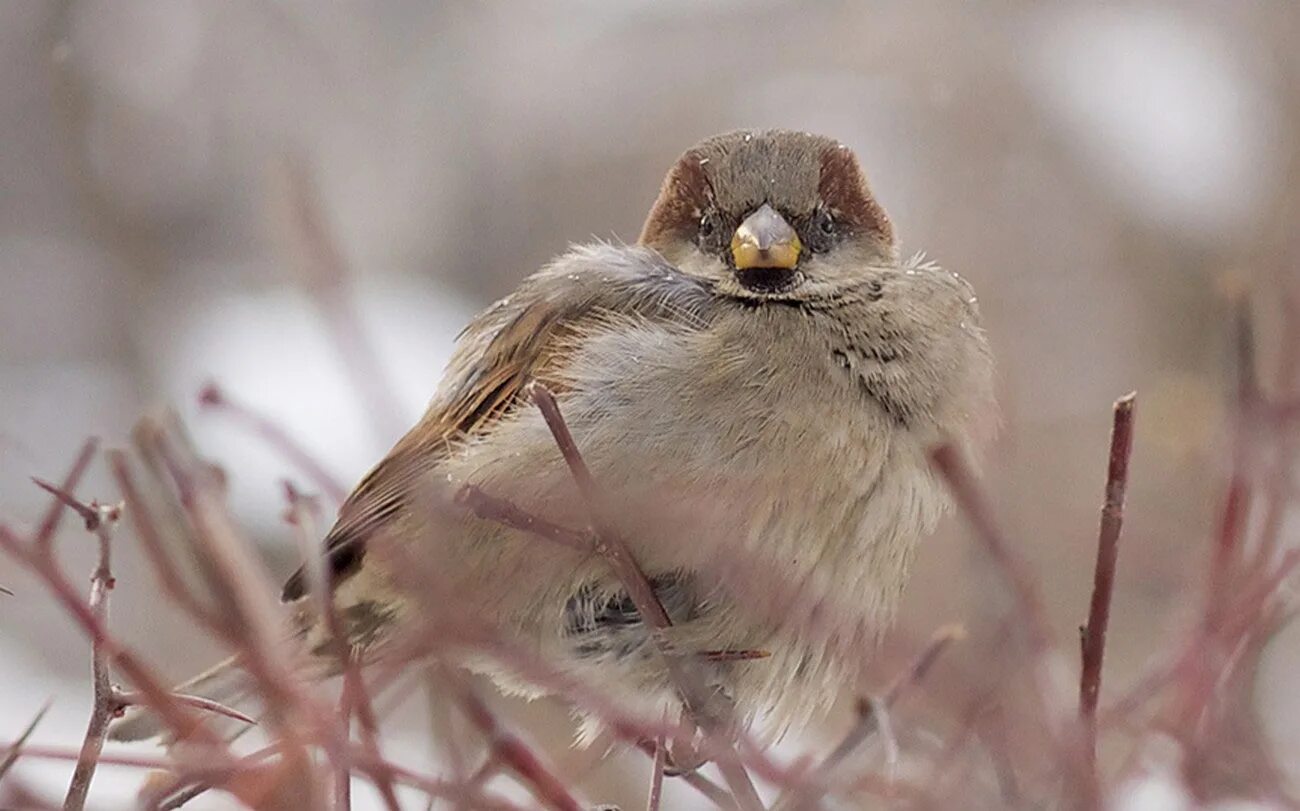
pixel 765 240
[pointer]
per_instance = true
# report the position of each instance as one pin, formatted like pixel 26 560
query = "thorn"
pixel 88 513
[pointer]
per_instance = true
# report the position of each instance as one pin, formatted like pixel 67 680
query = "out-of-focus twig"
pixel 1050 675
pixel 355 699
pixel 213 397
pixel 1236 504
pixel 133 699
pixel 491 508
pixel 160 562
pixel 1093 633
pixel 610 546
pixel 947 460
pixel 1277 490
pixel 513 753
pixel 715 793
pixel 318 260
pixel 607 545
pixel 915 673
pixel 819 779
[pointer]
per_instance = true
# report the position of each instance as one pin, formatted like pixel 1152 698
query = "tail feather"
pixel 226 683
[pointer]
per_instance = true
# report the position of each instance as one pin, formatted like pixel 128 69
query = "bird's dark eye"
pixel 707 225
pixel 822 231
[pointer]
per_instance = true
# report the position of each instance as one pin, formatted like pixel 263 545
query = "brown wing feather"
pixel 520 339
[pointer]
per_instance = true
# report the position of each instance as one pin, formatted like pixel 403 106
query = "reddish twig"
pixel 1093 633
pixel 819 779
pixel 252 621
pixel 1049 671
pixel 180 798
pixel 915 673
pixel 1236 505
pixel 607 543
pixel 503 512
pixel 947 460
pixel 610 546
pixel 146 530
pixel 513 753
pixel 302 513
pixel 715 793
pixel 1203 669
pixel 214 397
pixel 1277 490
pixel 325 275
pixel 180 720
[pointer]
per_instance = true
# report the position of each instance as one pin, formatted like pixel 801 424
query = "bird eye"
pixel 706 226
pixel 827 224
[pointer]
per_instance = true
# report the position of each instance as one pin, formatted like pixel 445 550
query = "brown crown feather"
pixel 845 190
pixel 685 194
pixel 788 169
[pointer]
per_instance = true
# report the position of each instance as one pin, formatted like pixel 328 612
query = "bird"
pixel 754 385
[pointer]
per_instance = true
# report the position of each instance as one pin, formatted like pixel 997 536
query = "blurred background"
pixel 1104 176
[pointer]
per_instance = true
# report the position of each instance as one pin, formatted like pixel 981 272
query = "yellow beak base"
pixel 765 240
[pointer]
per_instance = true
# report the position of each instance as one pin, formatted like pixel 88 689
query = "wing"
pixel 529 335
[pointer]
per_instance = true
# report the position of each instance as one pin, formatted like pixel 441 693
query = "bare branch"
pixel 100 520
pixel 213 397
pixel 820 778
pixel 947 460
pixel 1103 584
pixel 615 552
pixel 181 722
pixel 88 514
pixel 514 753
pixel 302 516
pixel 1050 675
pixel 913 675
pixel 147 531
pixel 324 273
pixel 491 508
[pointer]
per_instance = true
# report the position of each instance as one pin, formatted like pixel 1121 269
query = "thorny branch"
pixel 1235 618
pixel 100 519
pixel 92 614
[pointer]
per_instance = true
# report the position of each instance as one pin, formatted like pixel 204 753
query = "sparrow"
pixel 754 385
